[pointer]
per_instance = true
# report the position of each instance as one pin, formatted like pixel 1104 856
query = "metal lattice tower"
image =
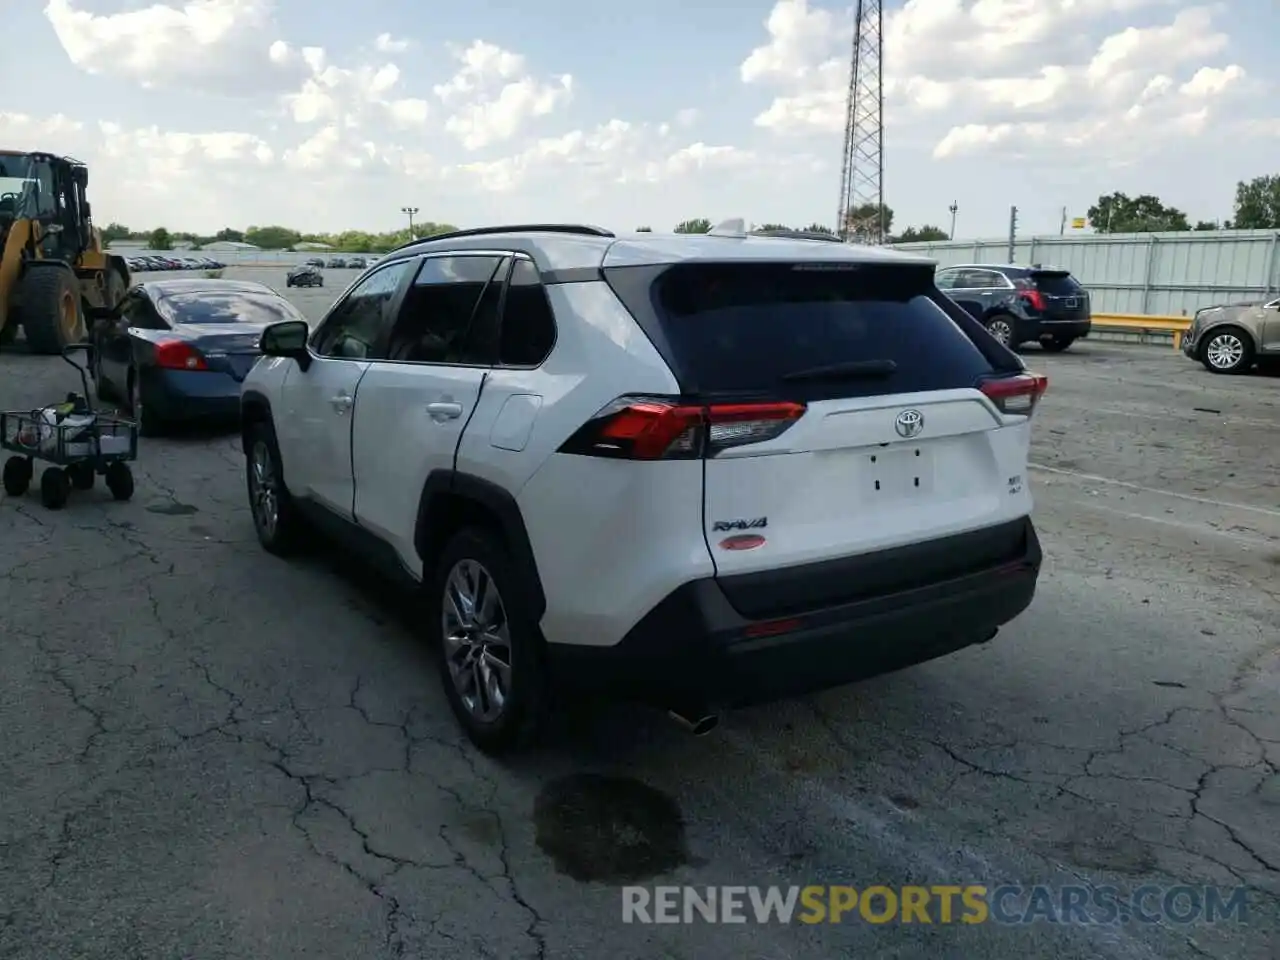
pixel 862 172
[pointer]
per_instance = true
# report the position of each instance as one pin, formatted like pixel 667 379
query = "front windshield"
pixel 20 186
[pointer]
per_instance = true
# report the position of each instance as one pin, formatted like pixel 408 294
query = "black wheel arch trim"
pixel 253 400
pixel 502 505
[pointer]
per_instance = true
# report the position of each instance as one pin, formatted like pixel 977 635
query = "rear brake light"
pixel 1016 395
pixel 178 355
pixel 1035 298
pixel 657 428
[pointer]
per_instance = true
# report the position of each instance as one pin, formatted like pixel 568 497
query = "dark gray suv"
pixel 1020 304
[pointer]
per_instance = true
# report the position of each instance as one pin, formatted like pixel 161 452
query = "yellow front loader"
pixel 53 268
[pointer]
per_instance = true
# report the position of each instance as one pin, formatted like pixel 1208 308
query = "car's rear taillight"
pixel 1017 394
pixel 660 428
pixel 178 355
pixel 1034 298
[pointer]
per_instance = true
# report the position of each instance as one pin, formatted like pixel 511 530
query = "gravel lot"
pixel 211 753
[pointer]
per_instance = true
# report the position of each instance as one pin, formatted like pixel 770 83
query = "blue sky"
pixel 192 119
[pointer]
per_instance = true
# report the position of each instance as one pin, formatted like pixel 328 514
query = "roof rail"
pixel 579 229
pixel 797 235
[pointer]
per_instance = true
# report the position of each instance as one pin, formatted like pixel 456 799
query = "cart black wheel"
pixel 120 480
pixel 17 476
pixel 55 488
pixel 82 476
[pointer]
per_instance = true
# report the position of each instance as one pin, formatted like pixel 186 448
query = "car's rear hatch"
pixel 1062 296
pixel 871 431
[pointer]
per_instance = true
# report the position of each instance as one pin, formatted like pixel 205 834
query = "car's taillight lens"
pixel 658 428
pixel 1017 394
pixel 1034 297
pixel 178 355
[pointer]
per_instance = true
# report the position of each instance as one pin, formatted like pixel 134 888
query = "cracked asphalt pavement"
pixel 211 753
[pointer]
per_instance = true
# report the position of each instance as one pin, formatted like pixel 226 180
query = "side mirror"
pixel 287 339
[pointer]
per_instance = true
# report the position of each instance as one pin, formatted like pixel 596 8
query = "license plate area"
pixel 898 474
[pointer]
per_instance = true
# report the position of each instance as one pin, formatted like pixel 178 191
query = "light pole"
pixel 953 208
pixel 409 212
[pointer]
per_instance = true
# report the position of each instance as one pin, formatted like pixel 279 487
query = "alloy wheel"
pixel 263 490
pixel 477 640
pixel 1001 330
pixel 1224 351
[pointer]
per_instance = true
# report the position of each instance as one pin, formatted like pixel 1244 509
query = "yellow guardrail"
pixel 1142 323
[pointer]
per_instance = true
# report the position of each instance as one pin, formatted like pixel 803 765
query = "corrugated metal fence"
pixel 1151 273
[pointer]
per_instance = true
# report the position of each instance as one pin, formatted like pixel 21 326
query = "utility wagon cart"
pixel 77 441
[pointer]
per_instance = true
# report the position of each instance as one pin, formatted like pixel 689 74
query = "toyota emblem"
pixel 909 423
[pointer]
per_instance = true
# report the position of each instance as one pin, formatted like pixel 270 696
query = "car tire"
pixel 1057 344
pixel 1003 327
pixel 1227 350
pixel 149 425
pixel 279 526
pixel 500 642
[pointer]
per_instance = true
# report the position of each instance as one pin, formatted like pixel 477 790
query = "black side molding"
pixel 439 517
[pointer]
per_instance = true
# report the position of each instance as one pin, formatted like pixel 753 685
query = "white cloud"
pixel 213 45
pixel 386 43
pixel 493 98
pixel 1030 73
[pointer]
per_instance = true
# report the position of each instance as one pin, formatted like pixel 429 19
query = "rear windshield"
pixel 1056 283
pixel 743 328
pixel 226 307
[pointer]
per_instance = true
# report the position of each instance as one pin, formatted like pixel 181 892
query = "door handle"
pixel 342 402
pixel 444 410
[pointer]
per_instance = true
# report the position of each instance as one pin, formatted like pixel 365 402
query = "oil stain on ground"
pixel 607 829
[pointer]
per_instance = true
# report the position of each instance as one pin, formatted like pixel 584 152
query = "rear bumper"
pixel 178 395
pixel 1035 329
pixel 695 649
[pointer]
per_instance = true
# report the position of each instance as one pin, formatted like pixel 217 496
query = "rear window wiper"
pixel 854 370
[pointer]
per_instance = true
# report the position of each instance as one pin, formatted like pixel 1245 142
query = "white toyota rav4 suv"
pixel 699 470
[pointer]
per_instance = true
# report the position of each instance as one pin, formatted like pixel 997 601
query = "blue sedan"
pixel 177 350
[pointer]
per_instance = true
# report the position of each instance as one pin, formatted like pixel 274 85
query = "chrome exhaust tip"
pixel 696 723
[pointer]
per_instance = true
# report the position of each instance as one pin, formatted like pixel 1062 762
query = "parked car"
pixel 1021 304
pixel 178 349
pixel 315 262
pixel 357 263
pixel 337 263
pixel 304 276
pixel 1230 338
pixel 717 471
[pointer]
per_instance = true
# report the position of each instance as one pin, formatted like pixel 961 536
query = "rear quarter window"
pixel 743 328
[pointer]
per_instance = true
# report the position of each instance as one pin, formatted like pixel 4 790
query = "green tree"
pixel 865 220
pixel 228 235
pixel 921 234
pixel 771 227
pixel 115 231
pixel 1258 203
pixel 700 225
pixel 644 229
pixel 159 240
pixel 1203 225
pixel 819 228
pixel 1119 213
pixel 272 238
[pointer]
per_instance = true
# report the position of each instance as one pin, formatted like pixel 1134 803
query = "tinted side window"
pixel 771 329
pixel 357 325
pixel 437 321
pixel 528 324
pixel 945 279
pixel 1056 284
